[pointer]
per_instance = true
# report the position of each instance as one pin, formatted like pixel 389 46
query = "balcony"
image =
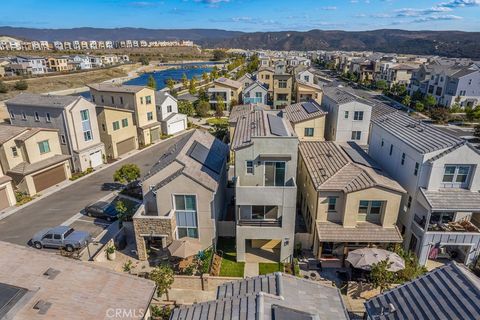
pixel 260 223
pixel 446 226
pixel 267 195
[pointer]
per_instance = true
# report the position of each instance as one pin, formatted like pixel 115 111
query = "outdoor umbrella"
pixel 366 257
pixel 184 248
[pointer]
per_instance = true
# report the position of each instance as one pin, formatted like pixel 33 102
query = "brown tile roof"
pixel 31 132
pixel 362 232
pixel 108 87
pixel 228 82
pixel 297 113
pixel 8 132
pixel 243 109
pixel 26 168
pixel 452 199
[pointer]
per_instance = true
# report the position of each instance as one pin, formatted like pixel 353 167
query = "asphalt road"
pixel 58 207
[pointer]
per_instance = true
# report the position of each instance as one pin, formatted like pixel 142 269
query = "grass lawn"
pixel 230 267
pixel 220 121
pixel 266 268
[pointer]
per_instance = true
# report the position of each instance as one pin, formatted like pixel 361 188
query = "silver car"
pixel 61 237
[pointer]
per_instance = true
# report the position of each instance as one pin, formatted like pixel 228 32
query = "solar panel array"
pixel 277 127
pixel 359 156
pixel 206 157
pixel 310 107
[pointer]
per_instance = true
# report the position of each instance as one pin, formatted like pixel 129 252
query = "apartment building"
pixel 440 215
pixel 265 153
pixel 346 200
pixel 139 99
pixel 226 89
pixel 32 157
pixel 307 119
pixel 348 116
pixel 9 43
pixel 73 117
pixel 184 194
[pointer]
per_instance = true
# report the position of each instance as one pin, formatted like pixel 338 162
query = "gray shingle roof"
pixel 42 100
pixel 362 232
pixel 297 113
pixel 452 199
pixel 448 292
pixel 161 96
pixel 423 137
pixel 269 297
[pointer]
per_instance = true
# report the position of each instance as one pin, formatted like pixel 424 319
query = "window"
pixel 141 100
pixel 37 117
pixel 62 139
pixel 264 212
pixel 358 115
pixel 44 147
pixel 258 95
pixel 332 204
pixel 103 127
pixel 24 116
pixel 456 174
pixel 282 84
pixel 103 100
pixel 93 98
pixel 169 108
pixel 275 174
pixel 149 116
pixel 415 171
pixel 370 207
pixel 249 166
pixel 124 123
pixel 113 99
pixel 383 143
pixel 409 202
pixel 47 117
pixel 116 125
pixel 309 132
pixel 282 96
pixel 14 152
pixel 267 77
pixel 391 150
pixel 86 127
pixel 148 99
pixel 346 115
pixel 121 100
pixel 186 216
pixel 403 159
pixel 356 135
pixel 306 78
pixel 12 115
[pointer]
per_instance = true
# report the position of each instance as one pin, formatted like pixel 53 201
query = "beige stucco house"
pixel 184 194
pixel 117 130
pixel 139 99
pixel 282 89
pixel 307 119
pixel 346 201
pixel 265 75
pixel 32 158
pixel 229 90
pixel 307 91
pixel 7 196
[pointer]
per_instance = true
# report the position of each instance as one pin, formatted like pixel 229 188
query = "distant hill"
pixel 444 43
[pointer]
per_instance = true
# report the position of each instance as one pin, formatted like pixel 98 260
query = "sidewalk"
pixel 251 269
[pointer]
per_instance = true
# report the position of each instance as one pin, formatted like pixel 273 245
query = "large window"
pixel 44 146
pixel 457 175
pixel 358 115
pixel 124 122
pixel 370 207
pixel 264 212
pixel 86 127
pixel 275 174
pixel 186 216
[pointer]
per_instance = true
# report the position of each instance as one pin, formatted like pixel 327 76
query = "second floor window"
pixel 149 116
pixel 37 117
pixel 358 115
pixel 62 139
pixel 346 115
pixel 148 99
pixel 415 171
pixel 457 175
pixel 124 123
pixel 116 125
pixel 14 152
pixel 47 117
pixel 169 108
pixel 332 204
pixel 282 84
pixel 275 174
pixel 308 132
pixel 86 127
pixel 370 207
pixel 356 135
pixel 186 216
pixel 249 166
pixel 403 159
pixel 44 147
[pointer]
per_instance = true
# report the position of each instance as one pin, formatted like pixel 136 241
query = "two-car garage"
pixel 49 178
pixel 126 146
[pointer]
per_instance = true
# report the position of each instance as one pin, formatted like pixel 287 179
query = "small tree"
pixel 440 115
pixel 186 107
pixel 407 101
pixel 3 87
pixel 429 101
pixel 202 94
pixel 144 60
pixel 184 80
pixel 162 275
pixel 202 108
pixel 192 86
pixel 219 107
pixel 21 85
pixel 170 84
pixel 127 173
pixel 381 277
pixel 121 212
pixel 419 106
pixel 151 83
pixel 381 84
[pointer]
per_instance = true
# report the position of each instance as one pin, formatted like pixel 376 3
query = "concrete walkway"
pixel 251 269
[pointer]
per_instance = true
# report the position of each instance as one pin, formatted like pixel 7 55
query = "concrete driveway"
pixel 54 209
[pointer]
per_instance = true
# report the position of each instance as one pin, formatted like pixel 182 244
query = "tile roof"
pixel 423 137
pixel 244 109
pixel 363 232
pixel 269 297
pixel 298 113
pixel 448 292
pixel 80 290
pixel 452 199
pixel 339 95
pixel 31 132
pixel 228 82
pixel 8 132
pixel 161 96
pixel 108 87
pixel 253 85
pixel 308 84
pixel 42 100
pixel 346 168
pixel 25 168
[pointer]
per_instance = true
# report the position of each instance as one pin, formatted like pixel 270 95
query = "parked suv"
pixel 61 237
pixel 104 210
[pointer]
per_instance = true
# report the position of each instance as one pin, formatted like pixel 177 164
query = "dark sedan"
pixel 104 210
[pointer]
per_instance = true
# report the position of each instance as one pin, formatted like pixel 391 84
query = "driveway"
pixel 58 207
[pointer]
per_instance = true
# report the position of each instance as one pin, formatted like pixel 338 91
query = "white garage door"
pixel 96 158
pixel 176 127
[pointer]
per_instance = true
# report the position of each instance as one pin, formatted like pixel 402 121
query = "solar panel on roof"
pixel 9 296
pixel 359 156
pixel 206 157
pixel 277 127
pixel 310 107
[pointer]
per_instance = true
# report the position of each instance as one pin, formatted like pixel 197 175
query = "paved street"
pixel 62 205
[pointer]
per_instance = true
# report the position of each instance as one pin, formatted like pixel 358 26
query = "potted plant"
pixel 111 252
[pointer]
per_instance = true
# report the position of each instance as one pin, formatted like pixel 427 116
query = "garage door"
pixel 96 158
pixel 49 178
pixel 176 127
pixel 126 146
pixel 155 134
pixel 4 199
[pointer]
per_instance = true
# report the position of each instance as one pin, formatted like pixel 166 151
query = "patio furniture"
pixel 365 258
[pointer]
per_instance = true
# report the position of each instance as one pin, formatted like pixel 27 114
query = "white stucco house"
pixel 167 113
pixel 255 93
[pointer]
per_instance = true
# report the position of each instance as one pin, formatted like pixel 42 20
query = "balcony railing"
pixel 260 223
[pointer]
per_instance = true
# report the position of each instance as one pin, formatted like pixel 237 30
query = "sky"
pixel 245 15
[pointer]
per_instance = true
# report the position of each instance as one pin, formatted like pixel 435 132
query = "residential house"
pixel 57 287
pixel 265 75
pixel 84 45
pixel 265 156
pixel 82 62
pixel 108 44
pixel 18 69
pixel 32 157
pixel 348 116
pixel 67 45
pixel 247 79
pixel 58 64
pixel 101 44
pixel 167 113
pixel 271 296
pixel 305 75
pixel 239 111
pixel 307 91
pixel 282 86
pixel 73 117
pixel 135 43
pixel 9 43
pixel 346 200
pixel 26 46
pixel 184 194
pixel 226 89
pixel 452 282
pixel 36 46
pixel 76 45
pixel 3 64
pixel 307 119
pixel 139 99
pixel 44 45
pixel 441 212
pixel 399 74
pixel 57 45
pixel 37 65
pixel 93 44
pixel 255 93
pixel 7 196
pixel 117 130
pixel 95 61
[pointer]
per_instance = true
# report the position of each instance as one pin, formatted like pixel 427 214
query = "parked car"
pixel 102 209
pixel 134 190
pixel 61 237
pixel 112 186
